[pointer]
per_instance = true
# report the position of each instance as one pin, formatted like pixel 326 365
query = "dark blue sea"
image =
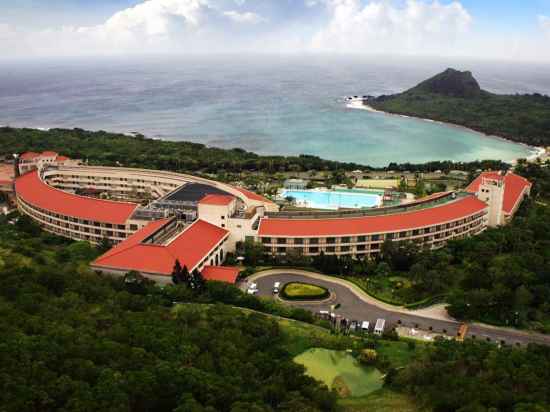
pixel 266 104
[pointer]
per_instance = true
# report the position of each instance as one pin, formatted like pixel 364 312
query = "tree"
pixel 253 252
pixel 290 199
pixel 176 272
pixel 403 187
pixel 420 188
pixel 368 356
pixel 196 281
pixel 383 269
pixel 185 276
pixel 104 245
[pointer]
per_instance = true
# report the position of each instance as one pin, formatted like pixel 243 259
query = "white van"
pixel 379 327
pixel 276 287
pixel 365 326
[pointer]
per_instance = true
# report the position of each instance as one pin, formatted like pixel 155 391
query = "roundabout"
pixel 354 304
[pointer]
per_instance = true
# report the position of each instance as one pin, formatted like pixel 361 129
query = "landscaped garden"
pixel 391 289
pixel 303 291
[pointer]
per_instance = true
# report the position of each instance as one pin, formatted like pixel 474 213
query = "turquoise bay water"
pixel 269 105
pixel 333 199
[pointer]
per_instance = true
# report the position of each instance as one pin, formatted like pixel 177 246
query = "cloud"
pixel 382 26
pixel 416 27
pixel 544 24
pixel 246 17
pixel 152 26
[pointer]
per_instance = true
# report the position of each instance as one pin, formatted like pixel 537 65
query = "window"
pixel 266 240
pixel 360 247
pixel 344 248
pixel 331 249
pixel 345 239
pixel 331 240
pixel 281 250
pixel 298 241
pixel 314 241
pixel 281 241
pixel 361 238
pixel 313 250
pixel 375 238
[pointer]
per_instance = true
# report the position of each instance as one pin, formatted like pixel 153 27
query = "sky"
pixel 516 30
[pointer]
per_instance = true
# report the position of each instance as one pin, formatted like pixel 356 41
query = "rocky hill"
pixel 456 97
pixel 451 82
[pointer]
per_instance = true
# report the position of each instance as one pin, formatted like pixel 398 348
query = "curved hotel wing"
pixel 163 217
pixel 363 236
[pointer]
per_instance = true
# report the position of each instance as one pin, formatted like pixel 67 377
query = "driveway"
pixel 357 305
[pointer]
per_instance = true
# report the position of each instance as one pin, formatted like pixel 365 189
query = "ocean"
pixel 285 105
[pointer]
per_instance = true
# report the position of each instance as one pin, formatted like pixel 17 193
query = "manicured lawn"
pixel 303 291
pixel 391 289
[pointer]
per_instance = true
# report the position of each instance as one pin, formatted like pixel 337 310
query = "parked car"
pixel 252 289
pixel 365 326
pixel 276 287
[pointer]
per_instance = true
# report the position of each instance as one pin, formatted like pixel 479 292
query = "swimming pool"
pixel 334 199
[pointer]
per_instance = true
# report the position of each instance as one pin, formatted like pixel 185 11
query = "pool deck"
pixel 335 199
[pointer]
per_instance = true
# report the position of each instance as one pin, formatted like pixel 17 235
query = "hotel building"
pixel 155 218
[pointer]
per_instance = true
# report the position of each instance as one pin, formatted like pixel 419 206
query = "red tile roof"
pixel 49 154
pixel 32 189
pixel 190 247
pixel 252 195
pixel 61 158
pixel 136 238
pixel 217 200
pixel 221 273
pixel 29 155
pixel 458 209
pixel 514 187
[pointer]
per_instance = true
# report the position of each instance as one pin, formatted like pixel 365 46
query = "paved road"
pixel 356 305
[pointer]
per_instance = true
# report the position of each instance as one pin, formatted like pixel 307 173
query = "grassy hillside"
pixel 455 97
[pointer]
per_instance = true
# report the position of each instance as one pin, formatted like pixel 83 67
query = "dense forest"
pixel 455 97
pixel 71 340
pixel 111 149
pixel 114 149
pixel 478 377
pixel 501 276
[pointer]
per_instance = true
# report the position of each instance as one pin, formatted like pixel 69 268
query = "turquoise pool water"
pixel 334 199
